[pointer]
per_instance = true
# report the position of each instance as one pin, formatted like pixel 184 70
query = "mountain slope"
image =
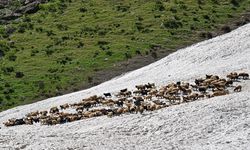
pixel 217 123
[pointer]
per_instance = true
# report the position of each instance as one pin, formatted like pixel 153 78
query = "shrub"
pixel 34 52
pixel 172 24
pixel 154 54
pixel 159 6
pixel 19 74
pixel 21 29
pixel 12 58
pixel 80 45
pixel 102 32
pixel 207 35
pixel 39 29
pixel 64 60
pixel 62 27
pixel 195 19
pixel 173 10
pixel 138 52
pixel 50 32
pixel 90 79
pixel 109 53
pixel 1 101
pixel 226 29
pixel 26 19
pixel 215 2
pixel 8 91
pixel 1 53
pixel 235 3
pixel 127 55
pixel 82 9
pixel 102 43
pixel 7 70
pixel 122 8
pixel 49 51
pixel 139 26
pixel 200 2
pixel 206 17
pixel 40 85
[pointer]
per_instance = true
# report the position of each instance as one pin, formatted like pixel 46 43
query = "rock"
pixel 29 8
pixel 11 16
pixel 1 6
pixel 4 3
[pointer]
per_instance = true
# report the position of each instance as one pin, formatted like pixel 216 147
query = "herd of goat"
pixel 145 98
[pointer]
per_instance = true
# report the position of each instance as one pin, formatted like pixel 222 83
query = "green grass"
pixel 62 45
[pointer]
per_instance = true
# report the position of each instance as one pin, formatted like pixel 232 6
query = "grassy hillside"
pixel 62 45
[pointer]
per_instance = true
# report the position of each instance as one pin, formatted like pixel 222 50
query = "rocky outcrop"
pixel 9 13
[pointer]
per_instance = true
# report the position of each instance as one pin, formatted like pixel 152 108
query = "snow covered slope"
pixel 217 123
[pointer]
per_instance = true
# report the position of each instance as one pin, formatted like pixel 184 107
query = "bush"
pixel 138 52
pixel 122 8
pixel 12 58
pixel 200 2
pixel 102 32
pixel 109 53
pixel 49 51
pixel 127 55
pixel 172 24
pixel 215 2
pixel 226 29
pixel 102 43
pixel 82 10
pixel 64 60
pixel 19 74
pixel 3 48
pixel 139 26
pixel 50 32
pixel 207 35
pixel 80 45
pixel 21 29
pixel 34 52
pixel 62 27
pixel 206 17
pixel 159 6
pixel 96 54
pixel 235 3
pixel 195 19
pixel 154 54
pixel 173 10
pixel 1 53
pixel 90 79
pixel 8 91
pixel 40 85
pixel 39 29
pixel 7 70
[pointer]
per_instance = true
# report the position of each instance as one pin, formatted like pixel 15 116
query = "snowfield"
pixel 216 123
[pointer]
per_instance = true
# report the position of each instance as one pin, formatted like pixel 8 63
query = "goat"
pixel 244 75
pixel 107 94
pixel 238 88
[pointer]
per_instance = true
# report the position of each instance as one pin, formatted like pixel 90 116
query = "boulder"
pixel 29 8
